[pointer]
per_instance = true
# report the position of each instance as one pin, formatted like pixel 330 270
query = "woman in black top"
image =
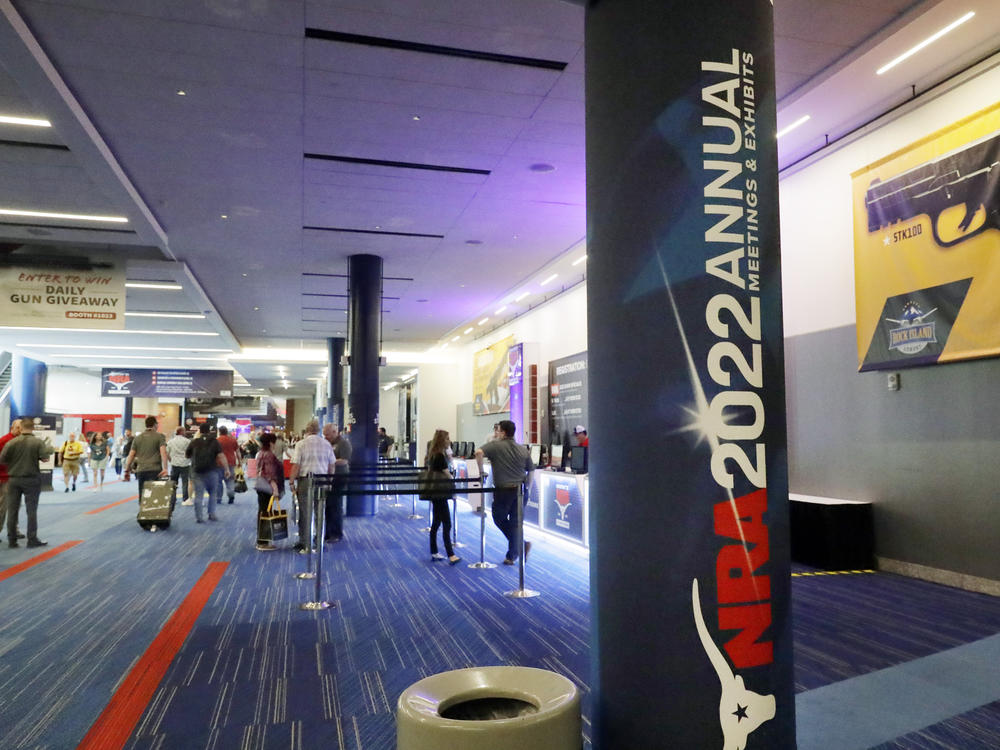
pixel 437 460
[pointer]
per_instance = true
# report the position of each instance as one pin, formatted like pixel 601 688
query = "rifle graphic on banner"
pixel 968 177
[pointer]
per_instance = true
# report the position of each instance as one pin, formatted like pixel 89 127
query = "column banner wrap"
pixel 689 487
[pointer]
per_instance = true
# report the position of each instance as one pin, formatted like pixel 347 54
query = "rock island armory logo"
pixel 118 384
pixel 914 331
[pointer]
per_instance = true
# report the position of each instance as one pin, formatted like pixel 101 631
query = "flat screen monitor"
pixel 536 453
pixel 555 457
pixel 578 460
pixel 454 448
pixel 472 450
pixel 463 449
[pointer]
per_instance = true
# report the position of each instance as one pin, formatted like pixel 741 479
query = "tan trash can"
pixel 490 708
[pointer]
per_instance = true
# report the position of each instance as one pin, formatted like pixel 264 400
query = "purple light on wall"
pixel 515 385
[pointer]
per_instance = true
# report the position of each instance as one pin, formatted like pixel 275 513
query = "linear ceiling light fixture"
pixel 499 310
pixel 929 40
pixel 195 316
pixel 137 356
pixel 124 348
pixel 801 121
pixel 56 215
pixel 467 331
pixel 579 260
pixel 148 285
pixel 32 121
pixel 521 296
pixel 109 330
pixel 550 278
pixel 482 321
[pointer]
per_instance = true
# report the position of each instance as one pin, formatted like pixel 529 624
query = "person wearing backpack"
pixel 208 463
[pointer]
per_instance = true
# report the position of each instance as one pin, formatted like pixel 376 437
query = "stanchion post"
pixel 454 523
pixel 414 515
pixel 521 592
pixel 319 514
pixel 309 522
pixel 482 564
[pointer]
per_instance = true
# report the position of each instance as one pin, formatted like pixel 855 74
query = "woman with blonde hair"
pixel 436 462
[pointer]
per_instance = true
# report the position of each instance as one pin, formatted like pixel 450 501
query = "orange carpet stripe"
pixel 111 505
pixel 13 570
pixel 117 722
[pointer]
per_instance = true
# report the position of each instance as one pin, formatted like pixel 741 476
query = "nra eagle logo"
pixel 118 382
pixel 563 502
pixel 915 332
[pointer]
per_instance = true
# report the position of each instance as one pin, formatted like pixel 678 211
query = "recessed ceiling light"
pixel 57 215
pixel 377 226
pixel 245 275
pixel 550 278
pixel 444 346
pixel 181 92
pixel 467 331
pixel 482 321
pixel 579 260
pixel 152 285
pixel 32 121
pixel 256 309
pixel 223 216
pixel 521 296
pixel 801 121
pixel 455 338
pixel 196 316
pixel 416 118
pixel 542 167
pixel 929 40
pixel 499 310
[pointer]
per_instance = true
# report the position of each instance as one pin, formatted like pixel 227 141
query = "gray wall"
pixel 473 428
pixel 927 455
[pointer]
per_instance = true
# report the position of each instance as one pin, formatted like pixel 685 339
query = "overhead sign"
pixel 43 296
pixel 166 383
pixel 927 249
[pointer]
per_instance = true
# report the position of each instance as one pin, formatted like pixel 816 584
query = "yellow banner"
pixel 927 248
pixel 489 379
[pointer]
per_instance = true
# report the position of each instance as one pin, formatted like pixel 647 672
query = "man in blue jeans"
pixel 208 464
pixel 512 466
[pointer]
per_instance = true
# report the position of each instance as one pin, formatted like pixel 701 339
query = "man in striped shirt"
pixel 313 455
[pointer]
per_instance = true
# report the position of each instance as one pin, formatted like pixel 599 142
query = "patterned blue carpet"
pixel 257 672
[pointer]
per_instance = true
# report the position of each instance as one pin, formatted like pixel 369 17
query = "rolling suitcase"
pixel 154 505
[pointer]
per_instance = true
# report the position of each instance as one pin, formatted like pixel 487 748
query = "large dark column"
pixel 27 387
pixel 689 547
pixel 335 382
pixel 127 414
pixel 365 292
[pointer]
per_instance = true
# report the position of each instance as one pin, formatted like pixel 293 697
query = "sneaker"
pixel 201 520
pixel 436 556
pixel 66 490
pixel 265 547
pixel 299 547
pixel 212 517
pixel 20 535
pixel 454 560
pixel 74 488
pixel 37 543
pixel 508 561
pixel 188 502
pixel 13 545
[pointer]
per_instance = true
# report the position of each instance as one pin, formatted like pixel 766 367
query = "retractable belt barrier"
pixel 371 488
pixel 319 485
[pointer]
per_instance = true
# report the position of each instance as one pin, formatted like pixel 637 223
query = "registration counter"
pixel 558 502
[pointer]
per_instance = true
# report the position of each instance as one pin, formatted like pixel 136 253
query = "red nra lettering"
pixel 745 649
pixel 736 579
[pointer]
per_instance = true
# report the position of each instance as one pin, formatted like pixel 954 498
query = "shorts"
pixel 99 463
pixel 71 467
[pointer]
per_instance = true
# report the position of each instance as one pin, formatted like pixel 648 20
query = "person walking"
pixel 207 462
pixel 512 466
pixel 71 453
pixel 270 483
pixel 15 430
pixel 99 459
pixel 22 455
pixel 437 462
pixel 313 455
pixel 180 466
pixel 148 455
pixel 231 450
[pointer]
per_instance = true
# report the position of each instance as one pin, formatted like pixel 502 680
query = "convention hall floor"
pixel 114 637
